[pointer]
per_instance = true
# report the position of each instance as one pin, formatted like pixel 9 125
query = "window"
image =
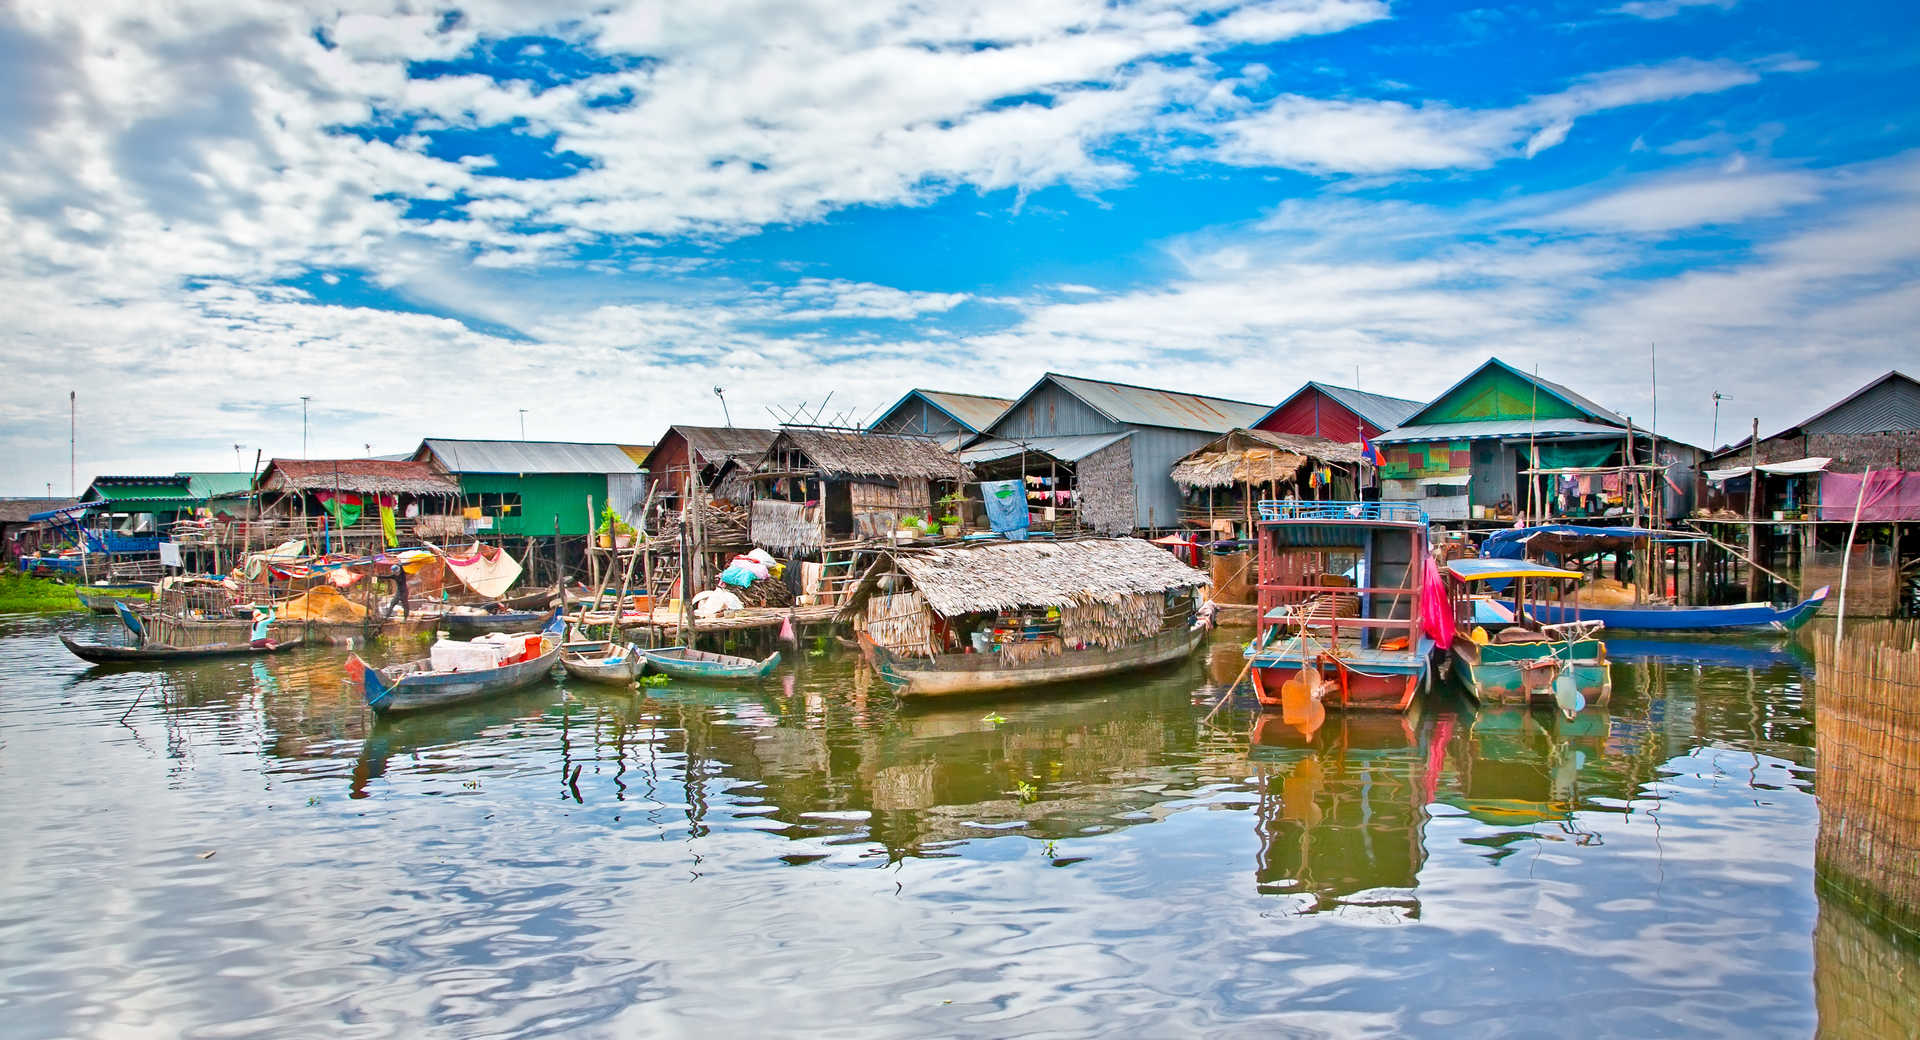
pixel 495 503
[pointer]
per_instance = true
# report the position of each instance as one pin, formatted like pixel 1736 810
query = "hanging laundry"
pixel 344 507
pixel 1006 509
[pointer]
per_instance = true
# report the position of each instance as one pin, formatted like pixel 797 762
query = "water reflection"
pixel 630 856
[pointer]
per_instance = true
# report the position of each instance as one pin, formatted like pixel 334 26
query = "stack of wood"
pixel 721 523
pixel 768 592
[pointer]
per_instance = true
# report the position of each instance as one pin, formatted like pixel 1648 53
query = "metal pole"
pixel 523 424
pixel 73 428
pixel 304 398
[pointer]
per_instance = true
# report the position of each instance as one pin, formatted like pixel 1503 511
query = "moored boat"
pixel 1528 660
pixel 680 662
pixel 603 662
pixel 459 671
pixel 1346 592
pixel 1000 616
pixel 152 653
pixel 100 598
pixel 472 622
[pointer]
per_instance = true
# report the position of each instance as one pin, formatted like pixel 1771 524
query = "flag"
pixel 1368 451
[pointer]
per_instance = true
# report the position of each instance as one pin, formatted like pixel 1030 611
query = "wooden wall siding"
pixel 878 509
pixel 669 462
pixel 1314 414
pixel 1105 483
pixel 1893 404
pixel 1051 411
pixel 1496 394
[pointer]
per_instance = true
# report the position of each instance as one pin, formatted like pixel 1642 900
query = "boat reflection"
pixel 1519 767
pixel 1342 813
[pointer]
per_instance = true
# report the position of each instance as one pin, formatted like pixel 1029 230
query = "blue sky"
pixel 428 217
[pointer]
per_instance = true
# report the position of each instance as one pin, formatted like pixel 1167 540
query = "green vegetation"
pixel 22 594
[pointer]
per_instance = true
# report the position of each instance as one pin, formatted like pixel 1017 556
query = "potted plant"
pixel 614 532
pixel 950 526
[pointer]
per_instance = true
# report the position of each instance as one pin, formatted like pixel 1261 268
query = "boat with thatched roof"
pixel 994 616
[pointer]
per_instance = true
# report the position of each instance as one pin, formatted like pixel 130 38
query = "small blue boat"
pixel 682 663
pixel 479 623
pixel 415 685
pixel 1653 617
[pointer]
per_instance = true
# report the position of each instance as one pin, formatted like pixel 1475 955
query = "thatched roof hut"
pixel 361 476
pixel 843 454
pixel 990 576
pixel 1258 457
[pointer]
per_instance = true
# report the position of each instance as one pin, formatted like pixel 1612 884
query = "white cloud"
pixel 1330 136
pixel 1691 200
pixel 1657 9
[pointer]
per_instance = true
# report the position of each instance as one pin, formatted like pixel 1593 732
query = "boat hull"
pixel 1736 618
pixel 972 674
pixel 1496 673
pixel 518 622
pixel 101 600
pixel 1364 691
pixel 665 663
pixel 388 693
pixel 102 653
pixel 583 664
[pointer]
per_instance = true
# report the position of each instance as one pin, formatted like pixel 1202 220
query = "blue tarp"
pixel 1512 544
pixel 1006 506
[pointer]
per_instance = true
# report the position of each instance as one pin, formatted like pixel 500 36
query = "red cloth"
pixel 1891 494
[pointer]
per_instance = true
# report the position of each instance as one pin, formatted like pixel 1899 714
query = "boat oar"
pixel 1566 692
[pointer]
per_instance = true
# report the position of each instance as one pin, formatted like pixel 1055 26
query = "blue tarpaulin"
pixel 1511 544
pixel 1006 506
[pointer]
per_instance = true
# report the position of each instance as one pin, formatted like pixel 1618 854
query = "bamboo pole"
pixel 1846 556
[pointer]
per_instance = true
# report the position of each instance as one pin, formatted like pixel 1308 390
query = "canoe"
pixel 682 663
pixel 1664 618
pixel 415 686
pixel 602 662
pixel 101 598
pixel 950 675
pixel 1528 671
pixel 103 653
pixel 512 622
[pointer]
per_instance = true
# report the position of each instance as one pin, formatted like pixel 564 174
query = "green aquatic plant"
pixel 25 594
pixel 1027 791
pixel 993 717
pixel 653 680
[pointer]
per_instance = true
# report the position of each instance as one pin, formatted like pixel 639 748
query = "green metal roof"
pixel 222 484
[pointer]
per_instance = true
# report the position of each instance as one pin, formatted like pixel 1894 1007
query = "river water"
pixel 235 849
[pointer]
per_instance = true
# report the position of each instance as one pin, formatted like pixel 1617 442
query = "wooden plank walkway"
pixel 668 622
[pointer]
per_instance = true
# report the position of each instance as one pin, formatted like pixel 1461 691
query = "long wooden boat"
pixel 1563 664
pixel 1654 617
pixel 683 663
pixel 103 653
pixel 950 675
pixel 460 625
pixel 101 599
pixel 603 662
pixel 415 686
pixel 1342 596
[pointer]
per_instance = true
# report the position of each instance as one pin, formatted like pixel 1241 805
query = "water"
pixel 234 849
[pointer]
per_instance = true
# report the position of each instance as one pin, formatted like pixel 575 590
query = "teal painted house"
pixel 1467 447
pixel 518 488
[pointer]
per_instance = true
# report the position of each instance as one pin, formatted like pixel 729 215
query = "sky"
pixel 427 218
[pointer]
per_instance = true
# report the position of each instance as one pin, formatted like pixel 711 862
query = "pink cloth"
pixel 1436 614
pixel 1890 495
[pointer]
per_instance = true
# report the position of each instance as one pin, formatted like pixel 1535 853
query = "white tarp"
pixel 1798 467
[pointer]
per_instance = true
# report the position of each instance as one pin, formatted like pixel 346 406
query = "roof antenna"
pixel 721 393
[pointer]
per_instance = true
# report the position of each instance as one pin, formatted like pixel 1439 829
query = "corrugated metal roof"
pixel 1378 409
pixel 463 456
pixel 1145 406
pixel 1584 404
pixel 637 452
pixel 1470 431
pixel 1891 402
pixel 223 484
pixel 973 411
pixel 170 489
pixel 1065 449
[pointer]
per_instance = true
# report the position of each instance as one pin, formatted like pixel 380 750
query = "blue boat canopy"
pixel 1512 543
pixel 1485 569
pixel 62 514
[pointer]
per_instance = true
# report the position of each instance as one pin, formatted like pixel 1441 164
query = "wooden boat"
pixel 603 662
pixel 101 598
pixel 949 675
pixel 682 663
pixel 414 686
pixel 990 617
pixel 1344 588
pixel 1553 542
pixel 462 625
pixel 103 653
pixel 1564 664
pixel 1666 617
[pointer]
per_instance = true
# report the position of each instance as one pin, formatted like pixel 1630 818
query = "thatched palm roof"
pixel 369 476
pixel 967 579
pixel 847 453
pixel 1257 457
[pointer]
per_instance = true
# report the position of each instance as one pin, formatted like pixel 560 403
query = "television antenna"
pixel 721 393
pixel 1717 398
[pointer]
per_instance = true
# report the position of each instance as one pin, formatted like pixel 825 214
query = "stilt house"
pixel 950 418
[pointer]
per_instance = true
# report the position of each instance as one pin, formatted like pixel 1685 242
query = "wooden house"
pixel 951 418
pixel 23 524
pixel 1104 450
pixel 1336 413
pixel 356 498
pixel 818 486
pixel 1224 478
pixel 699 453
pixel 536 489
pixel 1468 451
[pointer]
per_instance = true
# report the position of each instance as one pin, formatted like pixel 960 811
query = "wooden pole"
pixel 1753 512
pixel 1846 558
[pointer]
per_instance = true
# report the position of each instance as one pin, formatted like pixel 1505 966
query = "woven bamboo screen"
pixel 1867 737
pixel 901 623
